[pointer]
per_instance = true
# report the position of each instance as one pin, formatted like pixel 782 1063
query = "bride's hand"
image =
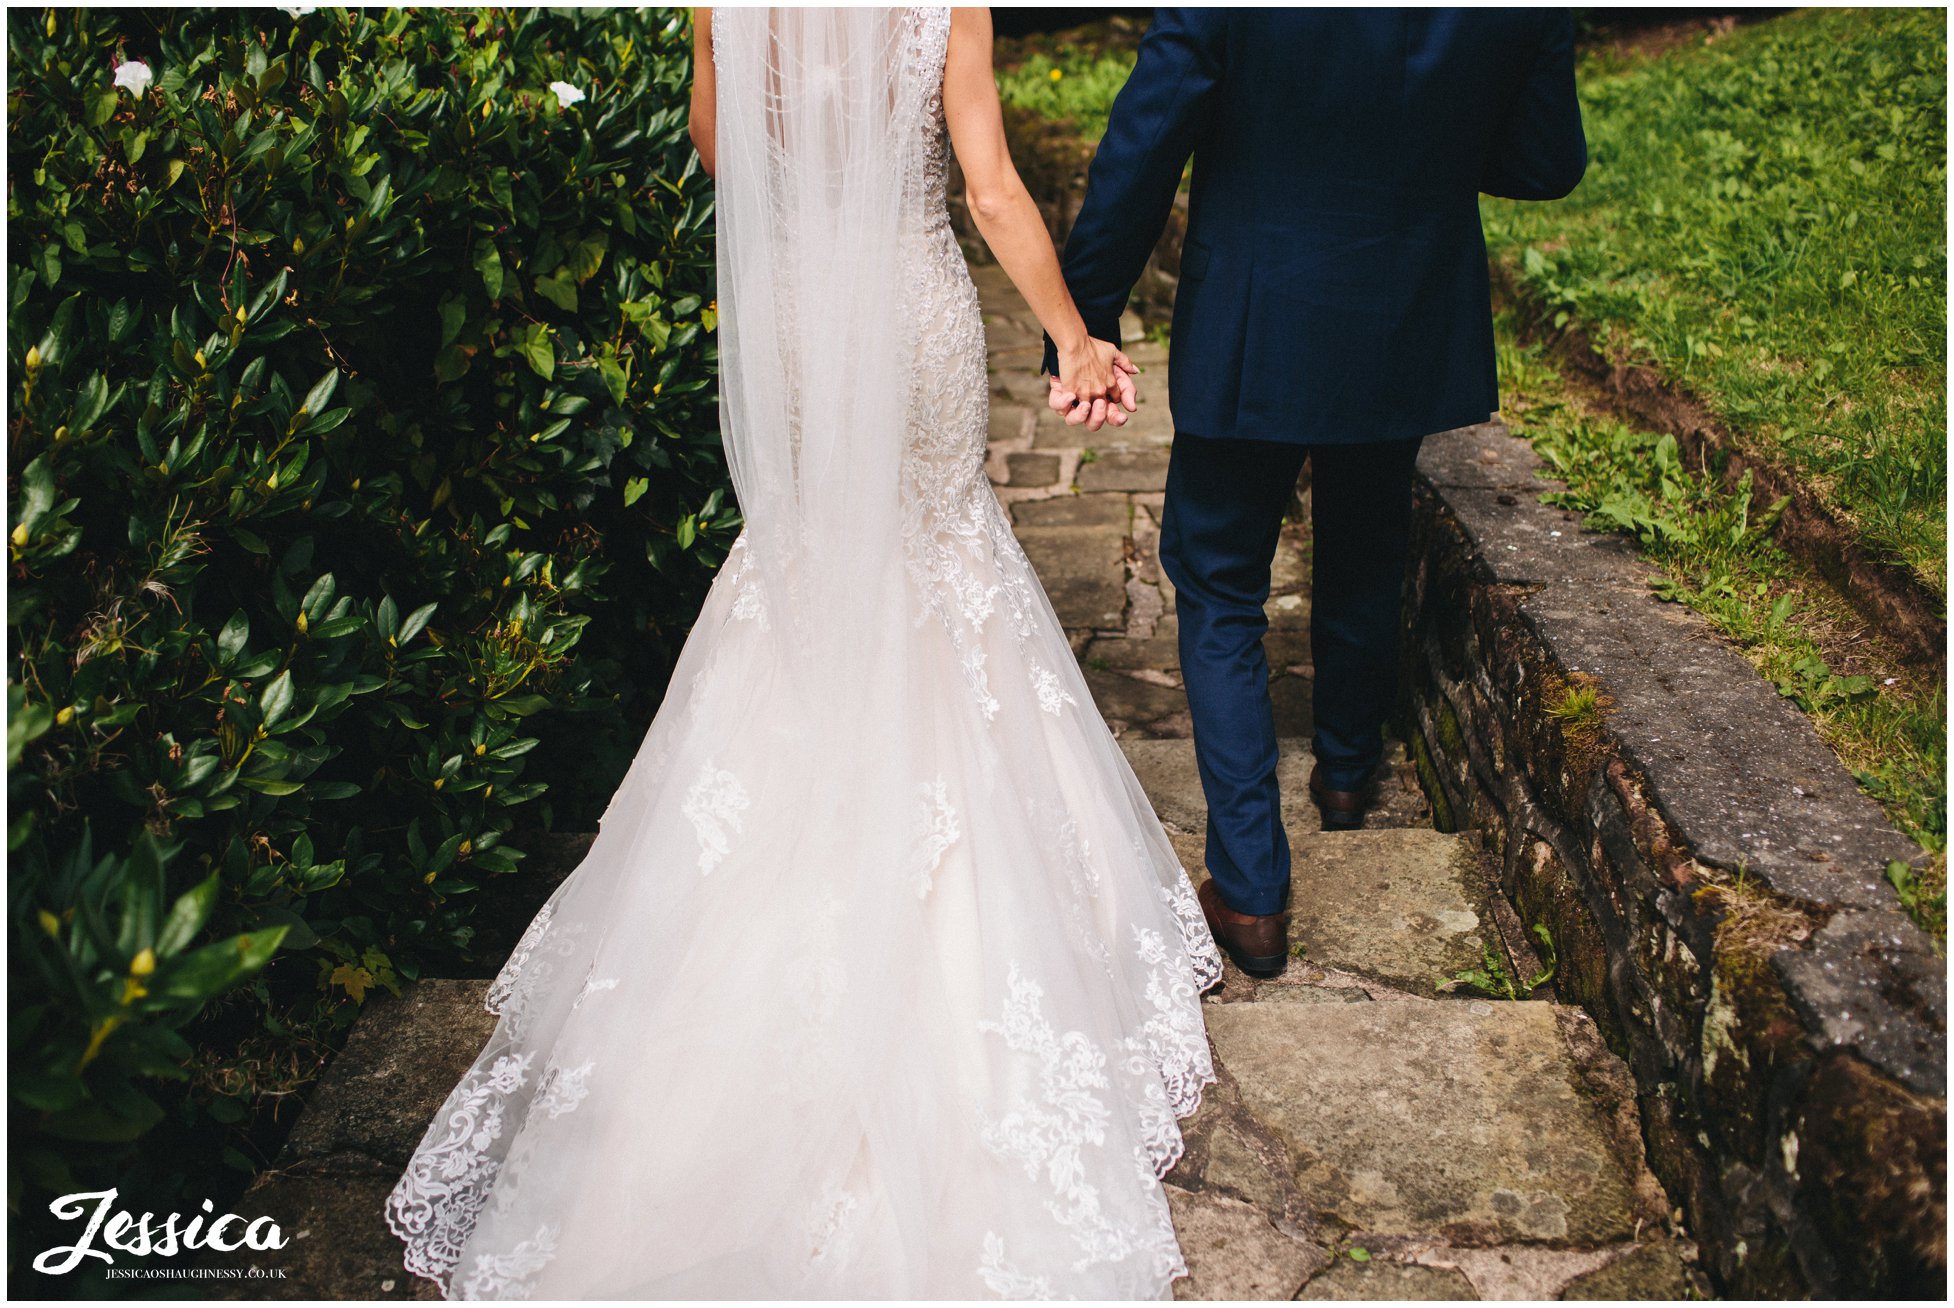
pixel 1094 385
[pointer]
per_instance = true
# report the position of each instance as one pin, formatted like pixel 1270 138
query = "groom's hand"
pixel 1096 414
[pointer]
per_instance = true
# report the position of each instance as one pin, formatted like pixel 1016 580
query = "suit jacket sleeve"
pixel 1157 119
pixel 1541 151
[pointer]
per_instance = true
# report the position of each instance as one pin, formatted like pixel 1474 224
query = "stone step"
pixel 328 1187
pixel 1465 1149
pixel 1404 905
pixel 1083 570
pixel 1463 1121
pixel 1396 1124
pixel 1167 771
pixel 1124 469
pixel 1073 511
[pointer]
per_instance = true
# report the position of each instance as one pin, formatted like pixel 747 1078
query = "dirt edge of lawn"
pixel 1895 601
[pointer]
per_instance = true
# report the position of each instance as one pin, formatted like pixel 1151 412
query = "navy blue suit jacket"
pixel 1333 282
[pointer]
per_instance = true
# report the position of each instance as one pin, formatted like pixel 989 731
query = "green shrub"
pixel 1079 85
pixel 363 453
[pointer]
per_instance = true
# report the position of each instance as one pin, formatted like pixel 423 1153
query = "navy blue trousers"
pixel 1225 503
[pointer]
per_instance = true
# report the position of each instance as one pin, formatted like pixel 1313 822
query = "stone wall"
pixel 1711 876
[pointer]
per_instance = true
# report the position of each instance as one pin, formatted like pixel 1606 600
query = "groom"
pixel 1333 305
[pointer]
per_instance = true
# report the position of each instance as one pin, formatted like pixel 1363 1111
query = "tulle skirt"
pixel 886 993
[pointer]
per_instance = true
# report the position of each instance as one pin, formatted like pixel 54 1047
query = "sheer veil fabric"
pixel 881 978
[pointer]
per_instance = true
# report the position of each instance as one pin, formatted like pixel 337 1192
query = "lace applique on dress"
pixel 509 1275
pixel 716 806
pixel 1082 878
pixel 963 558
pixel 434 1206
pixel 936 831
pixel 530 967
pixel 1173 1038
pixel 828 1232
pixel 1197 944
pixel 562 1089
pixel 1003 1279
pixel 592 986
pixel 749 604
pixel 1052 695
pixel 503 988
pixel 1047 1135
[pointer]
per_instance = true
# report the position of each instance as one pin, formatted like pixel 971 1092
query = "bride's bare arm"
pixel 702 87
pixel 1009 221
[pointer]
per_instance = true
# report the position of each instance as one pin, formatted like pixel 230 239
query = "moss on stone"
pixel 1871 1160
pixel 1428 777
pixel 1749 1027
pixel 1449 734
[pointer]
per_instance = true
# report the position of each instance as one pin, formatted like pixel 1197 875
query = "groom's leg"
pixel 1218 533
pixel 1360 514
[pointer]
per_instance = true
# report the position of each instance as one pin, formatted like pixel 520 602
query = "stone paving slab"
pixel 328 1189
pixel 1083 570
pixel 1288 649
pixel 1152 424
pixel 337 1246
pixel 1457 1120
pixel 1009 422
pixel 1073 511
pixel 1289 570
pixel 1029 469
pixel 1124 470
pixel 1399 907
pixel 1381 1280
pixel 1287 613
pixel 403 1057
pixel 1159 652
pixel 1021 384
pixel 1234 1253
pixel 1404 904
pixel 1290 697
pixel 1013 333
pixel 1050 431
pixel 1659 1270
pixel 1234 1164
pixel 1167 771
pixel 1129 701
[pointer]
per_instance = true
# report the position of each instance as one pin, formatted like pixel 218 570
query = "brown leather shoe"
pixel 1342 810
pixel 1259 943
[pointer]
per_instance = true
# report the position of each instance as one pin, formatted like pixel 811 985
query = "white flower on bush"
pixel 298 11
pixel 566 94
pixel 134 77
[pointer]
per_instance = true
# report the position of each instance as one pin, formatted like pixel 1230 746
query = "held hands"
pixel 1094 385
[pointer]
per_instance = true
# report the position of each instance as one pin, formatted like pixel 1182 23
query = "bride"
pixel 881 978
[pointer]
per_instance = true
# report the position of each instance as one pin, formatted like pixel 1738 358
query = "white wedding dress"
pixel 881 978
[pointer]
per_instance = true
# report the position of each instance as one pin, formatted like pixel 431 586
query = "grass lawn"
pixel 1764 222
